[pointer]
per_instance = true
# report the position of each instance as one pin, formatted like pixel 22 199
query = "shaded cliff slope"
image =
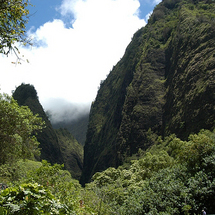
pixel 72 152
pixel 164 84
pixel 57 146
pixel 26 95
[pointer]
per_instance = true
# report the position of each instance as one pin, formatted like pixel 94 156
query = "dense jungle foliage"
pixel 164 82
pixel 172 177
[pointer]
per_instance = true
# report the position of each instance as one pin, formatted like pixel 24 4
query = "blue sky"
pixel 43 11
pixel 75 45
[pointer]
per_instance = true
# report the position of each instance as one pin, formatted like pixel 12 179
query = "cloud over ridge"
pixel 69 62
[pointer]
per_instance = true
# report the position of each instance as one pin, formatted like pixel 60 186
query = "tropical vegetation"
pixel 172 177
pixel 146 125
pixel 14 16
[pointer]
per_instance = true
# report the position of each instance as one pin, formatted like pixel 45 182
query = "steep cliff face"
pixel 190 73
pixel 57 146
pixel 164 84
pixel 26 95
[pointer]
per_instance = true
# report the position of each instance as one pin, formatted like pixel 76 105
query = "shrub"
pixel 29 199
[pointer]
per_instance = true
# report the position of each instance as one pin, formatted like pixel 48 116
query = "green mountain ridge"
pixel 164 84
pixel 26 95
pixel 57 146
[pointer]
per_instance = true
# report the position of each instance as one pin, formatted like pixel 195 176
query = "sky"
pixel 76 43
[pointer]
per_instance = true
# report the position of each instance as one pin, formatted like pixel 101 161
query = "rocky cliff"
pixel 164 84
pixel 57 146
pixel 26 95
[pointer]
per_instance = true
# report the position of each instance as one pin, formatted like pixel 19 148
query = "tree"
pixel 13 20
pixel 18 126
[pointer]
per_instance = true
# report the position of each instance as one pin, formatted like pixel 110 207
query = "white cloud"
pixel 69 63
pixel 64 111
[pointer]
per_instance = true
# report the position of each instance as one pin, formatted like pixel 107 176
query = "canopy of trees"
pixel 17 128
pixel 172 177
pixel 13 19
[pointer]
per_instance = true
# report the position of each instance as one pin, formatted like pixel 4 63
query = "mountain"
pixel 72 152
pixel 77 127
pixel 164 84
pixel 26 95
pixel 57 146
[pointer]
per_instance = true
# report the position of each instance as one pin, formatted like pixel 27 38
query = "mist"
pixel 60 110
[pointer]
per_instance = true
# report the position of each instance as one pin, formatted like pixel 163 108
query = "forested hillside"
pixel 151 129
pixel 72 152
pixel 26 95
pixel 164 84
pixel 57 146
